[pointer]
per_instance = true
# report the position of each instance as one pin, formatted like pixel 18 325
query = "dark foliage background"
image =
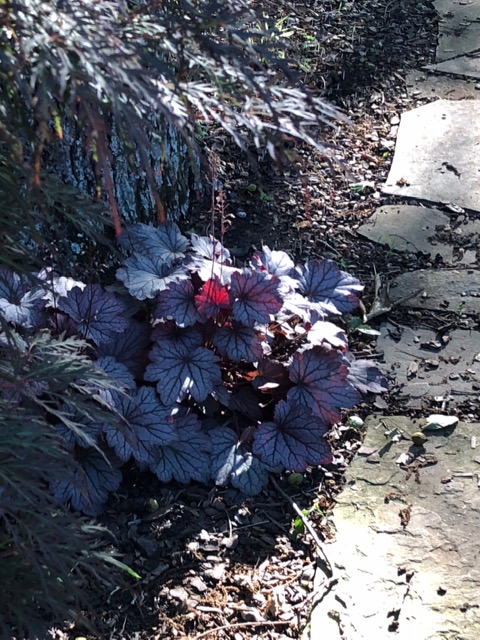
pixel 109 71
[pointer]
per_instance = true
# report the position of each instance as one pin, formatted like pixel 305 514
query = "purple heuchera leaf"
pixel 327 288
pixel 81 430
pixel 321 332
pixel 210 248
pixel 295 304
pixel 295 439
pixel 12 286
pixel 231 462
pixel 271 375
pixel 20 302
pixel 254 296
pixel 146 424
pixel 213 297
pixel 276 263
pixel 321 382
pixel 177 301
pixel 87 485
pixel 57 286
pixel 237 342
pixel 366 376
pixel 118 372
pixel 178 370
pixel 165 241
pixel 96 313
pixel 128 347
pixel 121 378
pixel 186 337
pixel 145 275
pixel 207 269
pixel 186 459
pixel 224 446
pixel 279 264
pixel 246 401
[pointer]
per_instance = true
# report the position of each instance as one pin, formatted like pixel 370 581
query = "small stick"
pixel 238 625
pixel 327 569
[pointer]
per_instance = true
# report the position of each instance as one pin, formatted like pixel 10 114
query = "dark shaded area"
pixel 383 38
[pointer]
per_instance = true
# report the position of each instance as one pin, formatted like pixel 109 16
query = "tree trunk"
pixel 171 167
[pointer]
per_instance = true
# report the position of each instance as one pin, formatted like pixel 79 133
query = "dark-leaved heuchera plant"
pixel 217 372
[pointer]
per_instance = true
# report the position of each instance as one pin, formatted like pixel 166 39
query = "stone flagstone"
pixel 414 228
pixel 437 155
pixel 405 558
pixel 442 290
pixel 468 66
pixel 459 27
pixel 406 549
pixel 421 84
pixel 421 366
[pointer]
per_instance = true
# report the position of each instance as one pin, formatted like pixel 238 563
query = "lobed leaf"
pixel 279 264
pixel 294 440
pixel 254 296
pixel 146 424
pixel 165 241
pixel 120 376
pixel 145 275
pixel 96 313
pixel 327 288
pixel 328 332
pixel 117 371
pixel 213 297
pixel 232 463
pixel 210 248
pixel 20 302
pixel 177 370
pixel 177 301
pixel 78 430
pixel 207 269
pixel 321 382
pixel 57 286
pixel 87 485
pixel 129 347
pixel 366 376
pixel 186 459
pixel 238 342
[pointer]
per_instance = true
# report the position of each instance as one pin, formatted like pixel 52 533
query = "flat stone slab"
pixel 442 290
pixel 468 66
pixel 437 154
pixel 424 367
pixel 421 84
pixel 459 27
pixel 406 549
pixel 412 228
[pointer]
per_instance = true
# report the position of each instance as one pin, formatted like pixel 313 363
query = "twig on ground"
pixel 238 625
pixel 382 302
pixel 321 555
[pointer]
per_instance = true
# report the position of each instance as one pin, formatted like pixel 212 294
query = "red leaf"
pixel 212 297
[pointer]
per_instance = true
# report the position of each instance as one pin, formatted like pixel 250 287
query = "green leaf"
pixel 118 563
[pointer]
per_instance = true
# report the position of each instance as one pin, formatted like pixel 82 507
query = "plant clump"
pixel 216 372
